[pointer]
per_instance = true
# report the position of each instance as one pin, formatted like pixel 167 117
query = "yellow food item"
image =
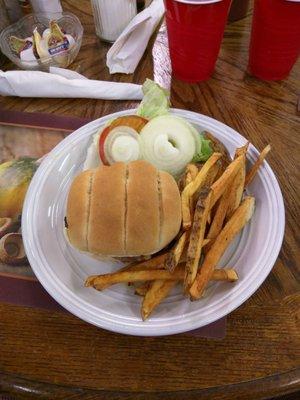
pixel 15 177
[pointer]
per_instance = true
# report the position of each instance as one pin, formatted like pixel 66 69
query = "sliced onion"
pixel 122 144
pixel 168 143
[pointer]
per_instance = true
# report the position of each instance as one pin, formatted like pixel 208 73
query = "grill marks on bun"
pixel 90 185
pixel 142 208
pixel 170 208
pixel 160 209
pixel 79 210
pixel 126 207
pixel 123 210
pixel 107 210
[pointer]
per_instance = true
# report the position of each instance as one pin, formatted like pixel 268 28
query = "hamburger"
pixel 123 210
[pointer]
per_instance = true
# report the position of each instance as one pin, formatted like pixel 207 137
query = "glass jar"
pixel 112 17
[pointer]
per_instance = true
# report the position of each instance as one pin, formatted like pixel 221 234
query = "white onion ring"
pixel 168 143
pixel 122 144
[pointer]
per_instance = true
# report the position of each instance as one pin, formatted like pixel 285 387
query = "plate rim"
pixel 145 328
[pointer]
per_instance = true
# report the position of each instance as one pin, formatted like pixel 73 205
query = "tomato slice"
pixel 133 121
pixel 103 136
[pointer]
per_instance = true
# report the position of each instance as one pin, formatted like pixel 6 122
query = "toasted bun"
pixel 123 210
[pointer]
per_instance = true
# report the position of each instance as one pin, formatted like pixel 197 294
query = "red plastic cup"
pixel 195 32
pixel 275 38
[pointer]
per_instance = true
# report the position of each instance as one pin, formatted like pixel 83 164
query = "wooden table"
pixel 53 355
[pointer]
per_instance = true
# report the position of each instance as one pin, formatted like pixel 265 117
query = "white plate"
pixel 62 270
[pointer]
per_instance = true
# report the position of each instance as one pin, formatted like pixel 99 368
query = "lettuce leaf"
pixel 203 149
pixel 156 100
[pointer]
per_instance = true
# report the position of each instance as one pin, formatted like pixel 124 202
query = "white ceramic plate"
pixel 62 270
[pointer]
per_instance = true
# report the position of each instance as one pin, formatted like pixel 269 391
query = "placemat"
pixel 17 287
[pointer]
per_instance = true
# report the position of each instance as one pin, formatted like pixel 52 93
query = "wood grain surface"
pixel 53 355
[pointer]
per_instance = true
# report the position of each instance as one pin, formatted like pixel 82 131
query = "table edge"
pixel 273 385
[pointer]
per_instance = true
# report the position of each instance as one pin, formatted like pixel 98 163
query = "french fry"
pixel 190 173
pixel 231 198
pixel 206 242
pixel 196 238
pixel 101 282
pixel 156 262
pixel 219 147
pixel 212 173
pixel 220 185
pixel 142 289
pixel 228 275
pixel 153 263
pixel 185 210
pixel 175 254
pixel 184 254
pixel 157 292
pixel 188 178
pixel 209 179
pixel 241 150
pixel 253 171
pixel 237 189
pixel 193 187
pixel 209 217
pixel 219 217
pixel 160 289
pixel 201 177
pixel 238 220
